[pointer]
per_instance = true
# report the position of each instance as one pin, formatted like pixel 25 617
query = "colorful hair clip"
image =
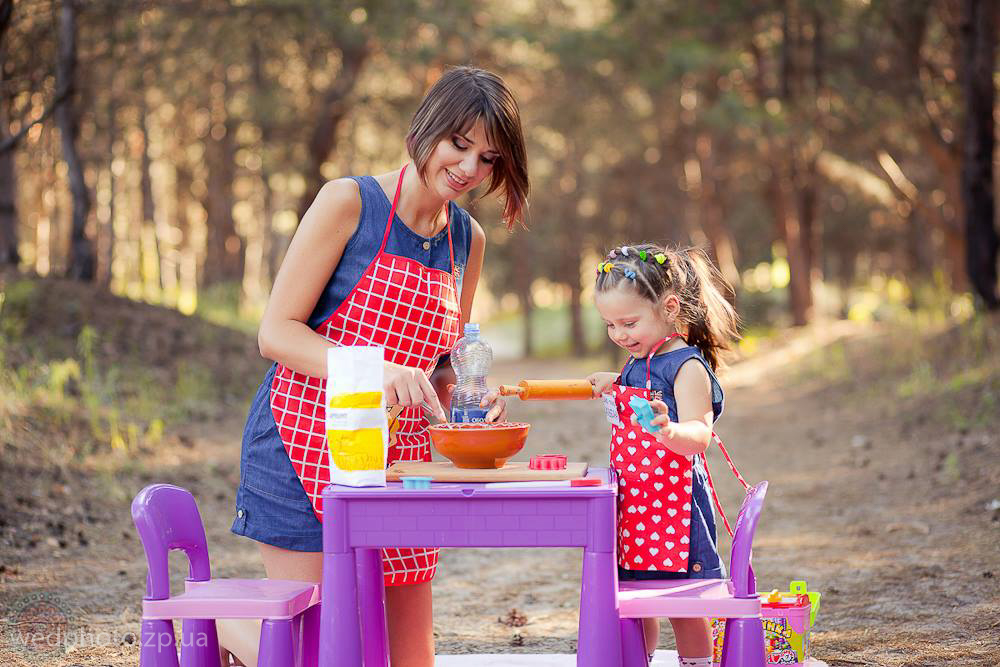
pixel 630 274
pixel 643 255
pixel 624 251
pixel 608 266
pixel 613 253
pixel 660 258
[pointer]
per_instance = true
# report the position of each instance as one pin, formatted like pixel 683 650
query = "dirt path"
pixel 867 503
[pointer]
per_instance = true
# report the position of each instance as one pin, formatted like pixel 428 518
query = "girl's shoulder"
pixel 665 367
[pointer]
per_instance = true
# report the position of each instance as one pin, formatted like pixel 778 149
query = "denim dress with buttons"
pixel 271 505
pixel 704 561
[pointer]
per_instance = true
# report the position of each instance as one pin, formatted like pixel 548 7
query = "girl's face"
pixel 460 162
pixel 634 323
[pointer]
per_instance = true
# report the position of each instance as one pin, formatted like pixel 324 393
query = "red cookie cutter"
pixel 547 462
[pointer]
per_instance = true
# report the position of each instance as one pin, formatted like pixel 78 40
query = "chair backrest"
pixel 740 570
pixel 166 517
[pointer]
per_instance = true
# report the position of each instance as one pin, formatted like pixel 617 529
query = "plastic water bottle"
pixel 471 359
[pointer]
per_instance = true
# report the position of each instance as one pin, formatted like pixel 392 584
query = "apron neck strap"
pixel 392 209
pixel 392 216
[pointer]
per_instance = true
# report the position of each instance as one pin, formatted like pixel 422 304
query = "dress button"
pixel 696 567
pixel 239 514
pixel 427 245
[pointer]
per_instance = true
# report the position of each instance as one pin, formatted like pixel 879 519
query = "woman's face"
pixel 461 162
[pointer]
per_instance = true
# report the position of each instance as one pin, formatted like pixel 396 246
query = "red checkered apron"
pixel 413 312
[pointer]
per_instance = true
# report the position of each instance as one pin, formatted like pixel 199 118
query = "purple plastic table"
pixel 357 522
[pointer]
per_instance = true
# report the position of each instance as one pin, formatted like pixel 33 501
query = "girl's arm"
pixel 473 269
pixel 312 257
pixel 692 432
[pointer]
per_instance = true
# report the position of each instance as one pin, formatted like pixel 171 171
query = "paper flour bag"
pixel 357 432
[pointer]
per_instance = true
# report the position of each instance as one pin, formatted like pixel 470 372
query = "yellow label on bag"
pixel 359 449
pixel 360 399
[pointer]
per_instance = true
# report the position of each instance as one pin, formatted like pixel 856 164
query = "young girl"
pixel 663 306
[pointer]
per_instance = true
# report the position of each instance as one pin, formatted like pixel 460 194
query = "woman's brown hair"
pixel 462 96
pixel 654 272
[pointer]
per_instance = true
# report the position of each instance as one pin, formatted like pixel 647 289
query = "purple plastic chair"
pixel 167 518
pixel 734 599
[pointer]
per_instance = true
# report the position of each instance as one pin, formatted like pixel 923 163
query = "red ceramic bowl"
pixel 477 444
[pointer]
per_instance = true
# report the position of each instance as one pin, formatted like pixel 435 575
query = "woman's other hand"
pixel 409 387
pixel 601 382
pixel 497 406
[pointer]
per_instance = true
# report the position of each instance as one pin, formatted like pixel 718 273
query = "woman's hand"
pixel 409 387
pixel 602 382
pixel 497 406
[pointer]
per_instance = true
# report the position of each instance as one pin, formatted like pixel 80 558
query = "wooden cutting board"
pixel 514 471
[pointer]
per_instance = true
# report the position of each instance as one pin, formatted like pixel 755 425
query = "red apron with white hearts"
pixel 413 312
pixel 654 491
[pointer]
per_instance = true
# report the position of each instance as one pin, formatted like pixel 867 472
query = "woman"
pixel 388 260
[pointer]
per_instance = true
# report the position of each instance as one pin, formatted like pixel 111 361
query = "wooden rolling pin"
pixel 564 390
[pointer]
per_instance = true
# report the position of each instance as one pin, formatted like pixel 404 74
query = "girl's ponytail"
pixel 711 320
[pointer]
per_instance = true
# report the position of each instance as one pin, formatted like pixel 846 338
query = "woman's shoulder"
pixel 339 200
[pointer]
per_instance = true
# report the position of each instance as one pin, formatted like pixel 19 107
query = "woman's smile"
pixel 454 181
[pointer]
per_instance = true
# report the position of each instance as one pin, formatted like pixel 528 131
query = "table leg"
pixel 599 643
pixel 371 590
pixel 340 629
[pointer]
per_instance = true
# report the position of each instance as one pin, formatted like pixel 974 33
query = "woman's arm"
pixel 312 256
pixel 692 432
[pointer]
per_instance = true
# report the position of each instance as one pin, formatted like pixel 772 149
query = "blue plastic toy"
pixel 416 482
pixel 643 413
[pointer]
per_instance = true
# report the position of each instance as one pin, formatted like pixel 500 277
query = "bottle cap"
pixel 471 328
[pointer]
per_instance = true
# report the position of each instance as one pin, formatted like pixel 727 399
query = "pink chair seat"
pixel 684 598
pixel 236 598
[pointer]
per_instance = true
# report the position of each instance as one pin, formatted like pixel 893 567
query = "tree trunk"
pixel 781 195
pixel 224 251
pixel 9 255
pixel 82 263
pixel 979 39
pixel 527 330
pixel 577 335
pixel 106 234
pixel 150 283
pixel 333 110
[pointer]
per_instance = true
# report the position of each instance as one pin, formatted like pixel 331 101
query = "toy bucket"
pixel 788 617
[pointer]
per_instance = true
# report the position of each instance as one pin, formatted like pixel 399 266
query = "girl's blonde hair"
pixel 655 272
pixel 462 96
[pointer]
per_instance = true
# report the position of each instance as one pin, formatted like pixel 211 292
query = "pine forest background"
pixel 836 158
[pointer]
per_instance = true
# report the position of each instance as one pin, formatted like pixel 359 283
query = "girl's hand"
pixel 667 430
pixel 602 382
pixel 408 387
